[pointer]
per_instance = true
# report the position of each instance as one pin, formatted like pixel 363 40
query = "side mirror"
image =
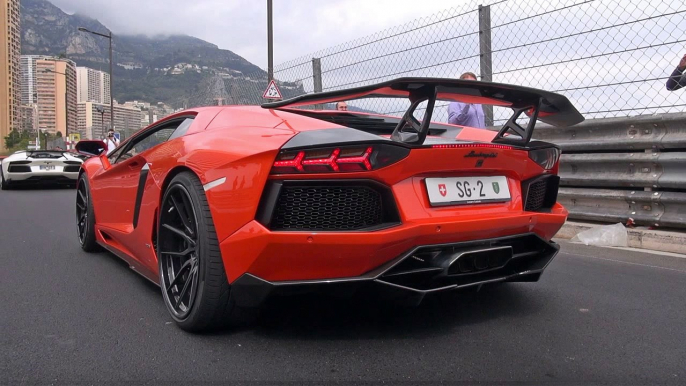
pixel 90 148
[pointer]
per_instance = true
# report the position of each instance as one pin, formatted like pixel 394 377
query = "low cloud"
pixel 241 26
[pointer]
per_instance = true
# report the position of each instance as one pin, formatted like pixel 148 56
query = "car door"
pixel 120 186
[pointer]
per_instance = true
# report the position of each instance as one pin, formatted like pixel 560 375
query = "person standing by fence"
pixel 677 80
pixel 466 114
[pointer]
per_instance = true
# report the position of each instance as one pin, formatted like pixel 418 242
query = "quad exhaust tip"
pixel 480 260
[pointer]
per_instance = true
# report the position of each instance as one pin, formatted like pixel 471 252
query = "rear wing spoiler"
pixel 539 105
pixel 30 153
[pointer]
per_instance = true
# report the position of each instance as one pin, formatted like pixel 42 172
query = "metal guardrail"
pixel 660 209
pixel 616 169
pixel 627 170
pixel 652 132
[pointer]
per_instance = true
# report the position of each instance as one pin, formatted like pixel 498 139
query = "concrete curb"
pixel 639 237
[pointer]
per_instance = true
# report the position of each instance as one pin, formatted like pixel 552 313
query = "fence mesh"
pixel 611 58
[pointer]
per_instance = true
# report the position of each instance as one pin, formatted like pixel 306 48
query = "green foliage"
pixel 15 137
pixel 17 140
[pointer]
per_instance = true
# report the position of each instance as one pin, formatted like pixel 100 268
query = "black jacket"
pixel 676 81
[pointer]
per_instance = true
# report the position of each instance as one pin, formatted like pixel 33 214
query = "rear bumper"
pixel 41 178
pixel 421 271
pixel 289 256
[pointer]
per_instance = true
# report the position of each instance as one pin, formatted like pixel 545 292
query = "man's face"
pixel 110 134
pixel 342 106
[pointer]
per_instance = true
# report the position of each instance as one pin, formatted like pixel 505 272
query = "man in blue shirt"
pixel 677 80
pixel 466 114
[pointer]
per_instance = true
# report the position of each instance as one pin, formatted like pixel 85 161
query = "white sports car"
pixel 38 167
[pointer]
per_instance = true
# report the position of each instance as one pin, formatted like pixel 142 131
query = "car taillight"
pixel 546 158
pixel 338 159
pixel 469 145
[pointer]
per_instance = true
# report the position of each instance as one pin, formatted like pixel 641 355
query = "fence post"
pixel 485 63
pixel 317 78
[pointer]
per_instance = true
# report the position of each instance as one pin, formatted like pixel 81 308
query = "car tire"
pixel 85 216
pixel 4 185
pixel 195 289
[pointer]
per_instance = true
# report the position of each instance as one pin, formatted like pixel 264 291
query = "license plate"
pixel 47 167
pixel 467 190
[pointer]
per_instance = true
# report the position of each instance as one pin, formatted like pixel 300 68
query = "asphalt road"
pixel 598 315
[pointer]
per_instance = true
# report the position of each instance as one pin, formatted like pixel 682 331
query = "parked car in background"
pixel 34 167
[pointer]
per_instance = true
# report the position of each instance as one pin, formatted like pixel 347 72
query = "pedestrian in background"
pixel 677 80
pixel 111 141
pixel 466 114
pixel 342 106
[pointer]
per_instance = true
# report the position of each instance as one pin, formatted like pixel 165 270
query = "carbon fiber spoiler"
pixel 544 106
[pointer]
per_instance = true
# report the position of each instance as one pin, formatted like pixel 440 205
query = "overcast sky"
pixel 300 26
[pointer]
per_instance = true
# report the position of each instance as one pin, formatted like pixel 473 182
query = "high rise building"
pixel 10 50
pixel 55 90
pixel 92 85
pixel 29 117
pixel 94 120
pixel 28 77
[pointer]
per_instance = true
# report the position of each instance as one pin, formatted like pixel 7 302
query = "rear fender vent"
pixel 327 205
pixel 72 169
pixel 18 168
pixel 540 193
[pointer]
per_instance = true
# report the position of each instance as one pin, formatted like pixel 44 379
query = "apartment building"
pixel 10 50
pixel 55 89
pixel 92 85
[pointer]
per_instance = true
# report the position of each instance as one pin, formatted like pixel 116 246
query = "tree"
pixel 12 139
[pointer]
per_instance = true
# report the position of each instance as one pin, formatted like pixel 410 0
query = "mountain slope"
pixel 178 70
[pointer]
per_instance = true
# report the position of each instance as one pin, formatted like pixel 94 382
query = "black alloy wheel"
pixel 4 185
pixel 179 251
pixel 81 211
pixel 85 218
pixel 193 281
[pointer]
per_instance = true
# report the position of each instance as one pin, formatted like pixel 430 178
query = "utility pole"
pixel 270 42
pixel 108 36
pixel 111 84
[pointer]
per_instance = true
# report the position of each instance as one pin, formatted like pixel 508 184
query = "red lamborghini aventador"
pixel 223 207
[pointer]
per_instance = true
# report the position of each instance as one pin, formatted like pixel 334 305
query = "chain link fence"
pixel 611 58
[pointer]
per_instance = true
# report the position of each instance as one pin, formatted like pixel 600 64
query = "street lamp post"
pixel 66 103
pixel 109 37
pixel 101 110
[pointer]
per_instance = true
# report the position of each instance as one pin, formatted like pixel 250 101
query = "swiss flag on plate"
pixel 442 189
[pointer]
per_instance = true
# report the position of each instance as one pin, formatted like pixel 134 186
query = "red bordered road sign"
pixel 272 92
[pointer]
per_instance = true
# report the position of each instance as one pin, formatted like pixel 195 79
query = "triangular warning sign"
pixel 272 92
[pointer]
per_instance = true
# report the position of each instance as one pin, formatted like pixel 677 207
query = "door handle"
pixel 133 165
